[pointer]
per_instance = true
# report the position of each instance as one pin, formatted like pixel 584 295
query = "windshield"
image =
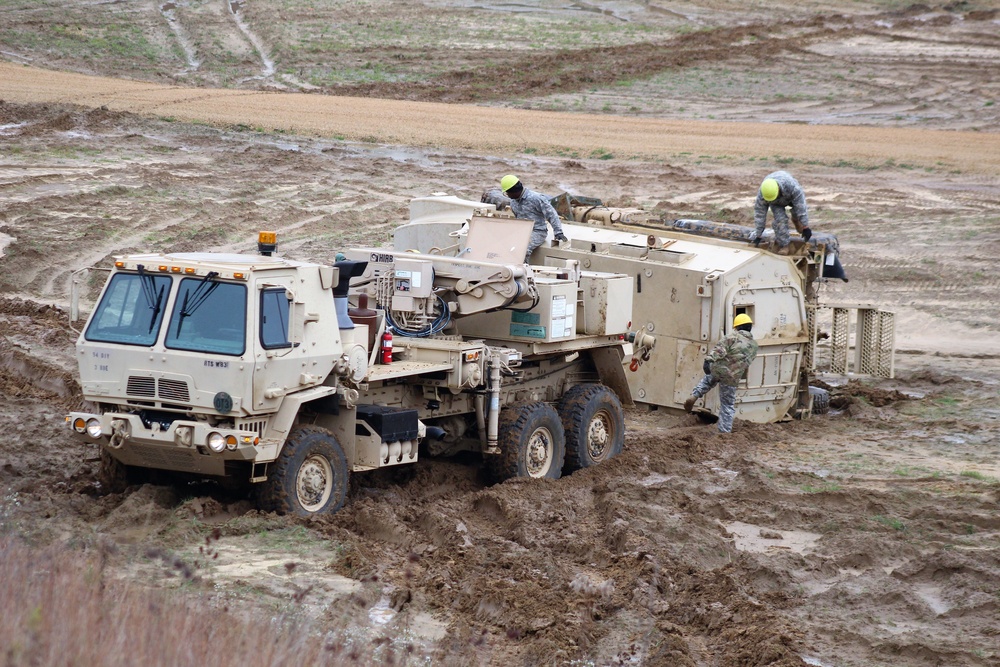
pixel 131 310
pixel 208 316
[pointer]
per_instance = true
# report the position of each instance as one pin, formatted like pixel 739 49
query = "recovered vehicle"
pixel 267 372
pixel 691 279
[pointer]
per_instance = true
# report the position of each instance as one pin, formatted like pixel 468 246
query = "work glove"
pixel 561 237
pixel 707 367
pixel 754 239
pixel 807 234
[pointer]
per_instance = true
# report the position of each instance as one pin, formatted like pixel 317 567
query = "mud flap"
pixel 608 361
pixel 832 268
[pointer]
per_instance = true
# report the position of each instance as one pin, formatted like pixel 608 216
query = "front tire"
pixel 309 477
pixel 594 422
pixel 115 477
pixel 532 443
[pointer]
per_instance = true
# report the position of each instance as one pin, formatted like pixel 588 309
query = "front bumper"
pixel 181 446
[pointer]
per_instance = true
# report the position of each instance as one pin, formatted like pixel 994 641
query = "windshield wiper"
pixel 197 298
pixel 153 298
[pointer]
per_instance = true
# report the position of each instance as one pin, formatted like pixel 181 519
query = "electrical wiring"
pixel 437 325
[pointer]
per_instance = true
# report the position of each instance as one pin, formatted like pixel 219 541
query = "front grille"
pixel 140 386
pixel 257 426
pixel 170 458
pixel 174 390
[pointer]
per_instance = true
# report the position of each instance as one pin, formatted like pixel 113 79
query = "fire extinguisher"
pixel 386 347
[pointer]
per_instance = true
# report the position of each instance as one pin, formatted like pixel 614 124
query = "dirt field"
pixel 870 536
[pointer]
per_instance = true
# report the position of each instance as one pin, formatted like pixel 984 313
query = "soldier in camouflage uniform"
pixel 529 205
pixel 725 366
pixel 777 192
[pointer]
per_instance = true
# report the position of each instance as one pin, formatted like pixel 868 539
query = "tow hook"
pixel 120 432
pixel 644 344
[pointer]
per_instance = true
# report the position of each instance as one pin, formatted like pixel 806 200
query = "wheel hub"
pixel 599 435
pixel 314 483
pixel 539 453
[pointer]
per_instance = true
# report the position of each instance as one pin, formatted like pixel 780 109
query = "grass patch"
pixel 855 164
pixel 890 522
pixel 975 474
pixel 828 487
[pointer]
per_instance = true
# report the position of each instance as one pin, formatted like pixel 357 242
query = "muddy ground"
pixel 870 536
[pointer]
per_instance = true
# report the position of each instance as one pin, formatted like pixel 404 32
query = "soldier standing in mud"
pixel 529 205
pixel 725 366
pixel 777 192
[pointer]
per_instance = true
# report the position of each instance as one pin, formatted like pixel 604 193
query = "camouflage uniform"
pixel 533 206
pixel 729 361
pixel 791 194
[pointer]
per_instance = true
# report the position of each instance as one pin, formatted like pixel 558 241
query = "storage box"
pixel 605 303
pixel 552 319
pixel 393 424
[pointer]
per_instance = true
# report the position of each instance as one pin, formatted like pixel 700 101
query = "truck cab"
pixel 193 350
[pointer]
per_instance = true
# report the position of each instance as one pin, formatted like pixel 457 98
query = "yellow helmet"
pixel 769 189
pixel 741 319
pixel 508 181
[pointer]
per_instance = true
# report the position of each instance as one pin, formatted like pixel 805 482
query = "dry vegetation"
pixel 64 606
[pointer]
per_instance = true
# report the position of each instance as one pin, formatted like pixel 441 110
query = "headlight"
pixel 216 442
pixel 94 427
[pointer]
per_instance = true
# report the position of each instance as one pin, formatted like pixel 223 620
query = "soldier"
pixel 777 191
pixel 529 205
pixel 725 366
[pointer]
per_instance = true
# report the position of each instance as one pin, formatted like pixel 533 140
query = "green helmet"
pixel 508 181
pixel 769 189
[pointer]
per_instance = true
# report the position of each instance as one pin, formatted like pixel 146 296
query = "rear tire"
pixel 594 422
pixel 532 443
pixel 820 400
pixel 309 477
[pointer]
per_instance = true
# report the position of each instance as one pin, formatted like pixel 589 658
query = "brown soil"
pixel 867 536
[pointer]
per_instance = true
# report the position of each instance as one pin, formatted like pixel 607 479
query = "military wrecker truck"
pixel 276 374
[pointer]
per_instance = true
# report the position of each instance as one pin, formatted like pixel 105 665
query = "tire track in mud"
pixel 296 241
pixel 90 258
pixel 573 70
pixel 181 37
pixel 580 69
pixel 913 277
pixel 234 7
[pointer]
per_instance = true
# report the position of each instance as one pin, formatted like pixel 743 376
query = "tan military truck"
pixel 276 374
